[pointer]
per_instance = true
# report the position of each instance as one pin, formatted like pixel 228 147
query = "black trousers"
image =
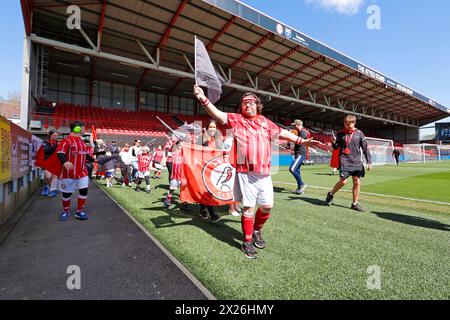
pixel 169 166
pixel 209 208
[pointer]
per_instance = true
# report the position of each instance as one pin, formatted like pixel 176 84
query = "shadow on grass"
pixel 413 221
pixel 161 186
pixel 281 190
pixel 219 230
pixel 325 174
pixel 313 201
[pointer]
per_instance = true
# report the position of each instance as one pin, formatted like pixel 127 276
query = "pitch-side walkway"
pixel 114 257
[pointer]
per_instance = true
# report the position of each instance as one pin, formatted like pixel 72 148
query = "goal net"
pixel 421 153
pixel 381 151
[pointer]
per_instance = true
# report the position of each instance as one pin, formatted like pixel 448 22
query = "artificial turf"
pixel 316 252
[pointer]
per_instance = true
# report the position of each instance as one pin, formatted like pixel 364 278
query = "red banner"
pixel 51 164
pixel 208 177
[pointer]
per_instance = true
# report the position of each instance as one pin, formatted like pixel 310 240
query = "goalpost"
pixel 423 152
pixel 381 151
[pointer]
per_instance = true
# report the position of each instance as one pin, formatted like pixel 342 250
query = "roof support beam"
pixel 219 34
pixel 293 74
pixel 276 87
pixel 182 74
pixel 188 63
pixel 245 56
pixel 279 60
pixel 100 25
pixel 86 37
pixel 147 54
pixel 253 83
pixel 313 96
pixel 320 76
pixel 163 41
pixel 296 92
pixel 228 77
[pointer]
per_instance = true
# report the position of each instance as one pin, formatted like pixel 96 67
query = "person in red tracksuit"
pixel 158 156
pixel 73 153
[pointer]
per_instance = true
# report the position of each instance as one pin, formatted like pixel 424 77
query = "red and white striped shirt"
pixel 75 150
pixel 252 149
pixel 158 155
pixel 144 161
pixel 177 165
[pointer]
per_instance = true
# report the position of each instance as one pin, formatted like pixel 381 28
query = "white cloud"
pixel 348 7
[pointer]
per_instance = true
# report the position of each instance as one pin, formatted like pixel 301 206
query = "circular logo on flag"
pixel 63 186
pixel 288 33
pixel 218 177
pixel 280 29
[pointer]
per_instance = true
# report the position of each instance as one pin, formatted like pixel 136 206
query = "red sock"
pixel 247 227
pixel 66 204
pixel 169 197
pixel 81 202
pixel 260 219
pixel 159 173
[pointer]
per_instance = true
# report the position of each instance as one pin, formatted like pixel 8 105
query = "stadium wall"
pixel 19 179
pixel 403 135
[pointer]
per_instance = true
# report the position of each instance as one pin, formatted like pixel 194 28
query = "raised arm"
pixel 211 109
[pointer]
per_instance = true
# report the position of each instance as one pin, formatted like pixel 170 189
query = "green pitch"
pixel 318 252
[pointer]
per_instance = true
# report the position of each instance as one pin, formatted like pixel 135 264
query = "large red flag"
pixel 51 164
pixel 208 177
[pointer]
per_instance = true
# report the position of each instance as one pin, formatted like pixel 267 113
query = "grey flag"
pixel 205 74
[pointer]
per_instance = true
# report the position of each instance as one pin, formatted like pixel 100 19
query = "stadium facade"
pixel 137 56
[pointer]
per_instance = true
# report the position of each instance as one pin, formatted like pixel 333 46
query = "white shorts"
pixel 252 189
pixel 174 184
pixel 158 166
pixel 142 175
pixel 70 185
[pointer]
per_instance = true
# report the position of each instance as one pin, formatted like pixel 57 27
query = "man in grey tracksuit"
pixel 350 142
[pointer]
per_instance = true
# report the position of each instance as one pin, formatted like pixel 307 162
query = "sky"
pixel 412 46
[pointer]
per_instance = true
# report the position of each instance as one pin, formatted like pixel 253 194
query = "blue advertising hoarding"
pixel 442 131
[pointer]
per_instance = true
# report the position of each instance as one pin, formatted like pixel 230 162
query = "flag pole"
pixel 195 59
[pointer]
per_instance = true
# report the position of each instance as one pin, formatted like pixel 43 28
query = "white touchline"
pixel 372 194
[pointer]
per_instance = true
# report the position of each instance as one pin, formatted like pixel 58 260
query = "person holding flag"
pixel 251 156
pixel 211 138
